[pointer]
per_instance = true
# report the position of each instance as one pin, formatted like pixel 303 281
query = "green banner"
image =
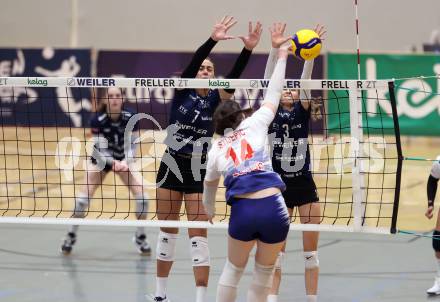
pixel 418 100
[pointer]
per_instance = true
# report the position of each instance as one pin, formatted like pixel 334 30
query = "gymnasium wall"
pixel 177 26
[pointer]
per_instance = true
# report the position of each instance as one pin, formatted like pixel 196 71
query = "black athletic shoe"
pixel 152 298
pixel 143 246
pixel 69 241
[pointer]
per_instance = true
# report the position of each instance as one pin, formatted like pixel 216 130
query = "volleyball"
pixel 306 44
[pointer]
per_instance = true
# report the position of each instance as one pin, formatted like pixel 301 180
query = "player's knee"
pixel 199 251
pixel 81 206
pixel 436 241
pixel 231 275
pixel 280 260
pixel 263 275
pixel 311 260
pixel 166 246
pixel 141 206
pixel 197 233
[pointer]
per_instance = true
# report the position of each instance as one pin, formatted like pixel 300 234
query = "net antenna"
pixel 358 50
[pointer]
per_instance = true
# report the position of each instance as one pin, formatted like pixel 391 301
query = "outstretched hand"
pixel 221 28
pixel 320 30
pixel 277 34
pixel 253 36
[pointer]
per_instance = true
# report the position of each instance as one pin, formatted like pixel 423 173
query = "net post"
pixel 356 146
pixel 393 228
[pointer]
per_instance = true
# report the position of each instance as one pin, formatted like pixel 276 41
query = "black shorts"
pixel 300 190
pixel 190 181
pixel 107 167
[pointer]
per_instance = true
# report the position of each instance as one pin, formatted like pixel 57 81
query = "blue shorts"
pixel 265 219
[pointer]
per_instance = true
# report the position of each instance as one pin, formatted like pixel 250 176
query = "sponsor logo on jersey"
pixel 183 110
pixel 284 114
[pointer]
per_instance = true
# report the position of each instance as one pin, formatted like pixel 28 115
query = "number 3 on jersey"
pixel 246 152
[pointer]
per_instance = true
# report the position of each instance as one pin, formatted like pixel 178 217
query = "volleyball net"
pixel 46 146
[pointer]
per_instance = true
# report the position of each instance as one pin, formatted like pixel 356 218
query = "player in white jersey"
pixel 434 176
pixel 258 211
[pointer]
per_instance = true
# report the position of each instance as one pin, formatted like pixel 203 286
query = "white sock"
pixel 261 283
pixel 257 293
pixel 161 287
pixel 74 229
pixel 200 293
pixel 312 298
pixel 226 293
pixel 272 298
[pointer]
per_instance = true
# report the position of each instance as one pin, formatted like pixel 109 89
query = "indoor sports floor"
pixel 105 266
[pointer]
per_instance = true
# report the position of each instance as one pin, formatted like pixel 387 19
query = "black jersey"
pixel 113 131
pixel 290 129
pixel 191 114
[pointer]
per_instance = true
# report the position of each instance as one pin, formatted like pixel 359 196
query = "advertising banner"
pixel 418 99
pixel 40 105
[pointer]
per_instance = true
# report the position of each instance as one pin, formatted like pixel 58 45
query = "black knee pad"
pixel 436 241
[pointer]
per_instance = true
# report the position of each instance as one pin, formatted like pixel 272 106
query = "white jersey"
pixel 243 157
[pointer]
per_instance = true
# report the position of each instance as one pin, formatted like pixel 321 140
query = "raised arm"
pixel 304 94
pixel 265 115
pixel 219 33
pixel 277 39
pixel 270 64
pixel 250 42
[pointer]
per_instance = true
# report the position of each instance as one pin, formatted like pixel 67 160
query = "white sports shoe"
pixel 435 289
pixel 153 298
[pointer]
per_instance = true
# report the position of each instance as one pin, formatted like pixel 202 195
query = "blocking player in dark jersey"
pixel 431 191
pixel 108 127
pixel 253 190
pixel 181 172
pixel 291 159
